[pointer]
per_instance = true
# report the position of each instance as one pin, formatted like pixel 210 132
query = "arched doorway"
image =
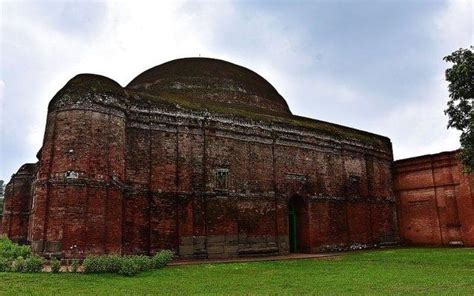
pixel 298 225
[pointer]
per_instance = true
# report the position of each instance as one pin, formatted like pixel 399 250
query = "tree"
pixel 461 103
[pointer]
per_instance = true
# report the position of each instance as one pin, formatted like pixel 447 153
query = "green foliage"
pixel 461 103
pixel 34 264
pixel 162 259
pixel 127 265
pixel 102 264
pixel 19 265
pixel 131 266
pixel 55 265
pixel 5 265
pixel 1 205
pixel 75 265
pixel 11 251
pixel 467 143
pixel 17 258
pixel 144 262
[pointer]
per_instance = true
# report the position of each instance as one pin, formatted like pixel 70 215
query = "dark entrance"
pixel 292 228
pixel 297 225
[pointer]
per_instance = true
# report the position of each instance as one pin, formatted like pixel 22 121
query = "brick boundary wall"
pixel 435 200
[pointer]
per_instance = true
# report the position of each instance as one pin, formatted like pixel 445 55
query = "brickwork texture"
pixel 435 200
pixel 202 157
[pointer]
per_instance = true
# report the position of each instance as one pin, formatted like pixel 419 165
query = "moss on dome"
pixel 85 84
pixel 215 80
pixel 93 83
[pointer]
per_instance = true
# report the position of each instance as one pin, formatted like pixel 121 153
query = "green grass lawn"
pixel 396 271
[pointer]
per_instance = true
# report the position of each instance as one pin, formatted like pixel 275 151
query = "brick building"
pixel 436 200
pixel 203 157
pixel 17 204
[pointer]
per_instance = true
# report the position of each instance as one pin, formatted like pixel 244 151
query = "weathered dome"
pixel 209 81
pixel 82 86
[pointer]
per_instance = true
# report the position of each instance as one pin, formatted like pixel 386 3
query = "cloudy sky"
pixel 373 65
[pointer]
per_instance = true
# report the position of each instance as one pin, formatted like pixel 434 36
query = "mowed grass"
pixel 384 272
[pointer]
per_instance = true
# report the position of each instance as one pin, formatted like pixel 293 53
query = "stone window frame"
pixel 221 179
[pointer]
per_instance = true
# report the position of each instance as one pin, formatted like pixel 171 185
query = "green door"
pixel 292 226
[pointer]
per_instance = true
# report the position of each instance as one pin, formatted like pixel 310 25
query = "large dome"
pixel 209 81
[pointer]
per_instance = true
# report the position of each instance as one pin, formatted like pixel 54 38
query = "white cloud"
pixel 419 127
pixel 455 24
pixel 2 91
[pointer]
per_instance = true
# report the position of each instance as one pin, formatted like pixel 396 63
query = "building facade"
pixel 202 157
pixel 435 200
pixel 17 204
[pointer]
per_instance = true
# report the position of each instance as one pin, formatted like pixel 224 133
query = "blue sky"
pixel 372 65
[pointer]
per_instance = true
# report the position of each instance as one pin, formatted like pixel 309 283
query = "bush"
pixel 112 263
pixel 102 264
pixel 162 259
pixel 92 265
pixel 19 265
pixel 116 264
pixel 34 264
pixel 5 265
pixel 20 259
pixel 55 265
pixel 144 262
pixel 11 251
pixel 74 265
pixel 16 258
pixel 128 265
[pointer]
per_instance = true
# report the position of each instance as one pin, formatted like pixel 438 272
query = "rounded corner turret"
pixel 84 89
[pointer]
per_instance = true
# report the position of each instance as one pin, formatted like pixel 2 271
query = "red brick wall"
pixel 17 204
pixel 435 200
pixel 78 193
